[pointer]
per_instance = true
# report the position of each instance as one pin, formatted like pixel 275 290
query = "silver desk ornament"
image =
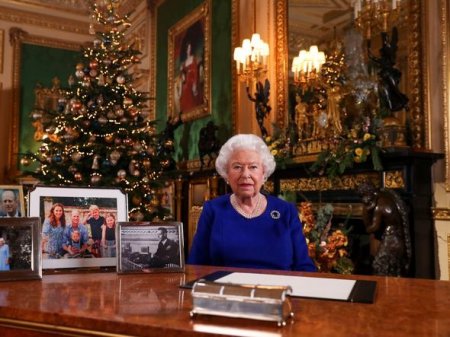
pixel 267 303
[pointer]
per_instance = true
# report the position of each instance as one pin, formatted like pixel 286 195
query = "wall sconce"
pixel 251 66
pixel 306 66
pixel 251 58
pixel 375 15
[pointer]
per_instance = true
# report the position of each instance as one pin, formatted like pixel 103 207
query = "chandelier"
pixel 306 66
pixel 375 15
pixel 252 57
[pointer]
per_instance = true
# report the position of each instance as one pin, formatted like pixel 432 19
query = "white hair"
pixel 245 142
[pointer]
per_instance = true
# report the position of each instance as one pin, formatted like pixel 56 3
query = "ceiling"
pixel 75 6
pixel 314 21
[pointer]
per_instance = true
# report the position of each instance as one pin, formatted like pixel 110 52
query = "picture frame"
pixel 20 243
pixel 139 250
pixel 94 206
pixel 12 201
pixel 188 75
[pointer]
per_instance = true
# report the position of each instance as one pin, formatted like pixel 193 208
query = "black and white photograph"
pixel 19 249
pixel 12 201
pixel 78 225
pixel 146 247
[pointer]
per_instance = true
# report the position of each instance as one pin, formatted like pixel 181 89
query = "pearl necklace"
pixel 256 211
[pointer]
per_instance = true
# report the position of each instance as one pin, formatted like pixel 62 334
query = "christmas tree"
pixel 100 134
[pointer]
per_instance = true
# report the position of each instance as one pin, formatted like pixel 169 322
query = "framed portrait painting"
pixel 11 201
pixel 78 225
pixel 189 65
pixel 146 247
pixel 20 253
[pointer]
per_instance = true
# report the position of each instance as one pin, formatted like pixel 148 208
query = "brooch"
pixel 275 214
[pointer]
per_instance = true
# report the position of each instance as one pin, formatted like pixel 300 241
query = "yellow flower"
pixel 367 136
pixel 357 159
pixel 274 152
pixel 268 139
pixel 359 152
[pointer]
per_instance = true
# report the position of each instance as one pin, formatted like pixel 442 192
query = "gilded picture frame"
pixel 20 246
pixel 188 75
pixel 21 136
pixel 111 202
pixel 148 247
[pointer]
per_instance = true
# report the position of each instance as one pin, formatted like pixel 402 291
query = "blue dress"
pixel 4 257
pixel 273 240
pixel 55 237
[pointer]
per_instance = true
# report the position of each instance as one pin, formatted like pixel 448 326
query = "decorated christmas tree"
pixel 100 134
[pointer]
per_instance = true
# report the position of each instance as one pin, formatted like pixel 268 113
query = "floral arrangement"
pixel 327 247
pixel 279 146
pixel 356 145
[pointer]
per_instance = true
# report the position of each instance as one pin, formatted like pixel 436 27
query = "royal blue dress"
pixel 273 240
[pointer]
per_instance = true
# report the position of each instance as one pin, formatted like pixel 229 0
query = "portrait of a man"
pixel 11 199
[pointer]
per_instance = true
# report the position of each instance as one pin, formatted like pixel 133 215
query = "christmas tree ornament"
pixel 121 174
pixel 120 79
pixel 95 162
pixel 76 156
pixel 78 176
pixel 96 178
pixel 25 161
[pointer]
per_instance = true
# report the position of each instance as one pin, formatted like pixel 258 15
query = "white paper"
pixel 314 287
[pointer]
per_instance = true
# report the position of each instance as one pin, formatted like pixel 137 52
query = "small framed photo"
pixel 146 247
pixel 12 201
pixel 20 253
pixel 78 225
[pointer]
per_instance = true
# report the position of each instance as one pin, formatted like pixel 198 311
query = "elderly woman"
pixel 246 228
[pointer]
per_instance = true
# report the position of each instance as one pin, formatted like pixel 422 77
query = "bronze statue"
pixel 261 100
pixel 389 76
pixel 208 144
pixel 385 217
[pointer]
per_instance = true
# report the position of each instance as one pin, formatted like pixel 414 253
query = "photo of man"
pixel 10 204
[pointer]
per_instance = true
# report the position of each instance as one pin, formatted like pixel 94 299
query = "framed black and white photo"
pixel 11 201
pixel 78 225
pixel 146 247
pixel 20 253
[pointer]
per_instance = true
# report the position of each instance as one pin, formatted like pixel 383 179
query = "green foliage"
pixel 357 146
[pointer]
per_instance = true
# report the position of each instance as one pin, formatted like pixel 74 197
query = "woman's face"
pixel 245 173
pixel 58 212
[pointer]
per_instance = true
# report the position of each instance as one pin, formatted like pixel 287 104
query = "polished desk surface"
pixel 108 304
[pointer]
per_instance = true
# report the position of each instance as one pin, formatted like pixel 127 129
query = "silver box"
pixel 267 303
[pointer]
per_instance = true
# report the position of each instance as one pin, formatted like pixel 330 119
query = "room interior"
pixel 287 26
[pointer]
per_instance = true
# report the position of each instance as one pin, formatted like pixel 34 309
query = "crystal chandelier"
pixel 306 66
pixel 375 15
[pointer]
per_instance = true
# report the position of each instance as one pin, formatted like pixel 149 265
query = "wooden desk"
pixel 107 304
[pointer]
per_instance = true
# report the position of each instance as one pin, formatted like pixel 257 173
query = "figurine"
pixel 385 217
pixel 261 100
pixel 389 75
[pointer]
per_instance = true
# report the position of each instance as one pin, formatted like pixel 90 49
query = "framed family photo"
pixel 20 253
pixel 146 247
pixel 78 225
pixel 12 201
pixel 188 75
